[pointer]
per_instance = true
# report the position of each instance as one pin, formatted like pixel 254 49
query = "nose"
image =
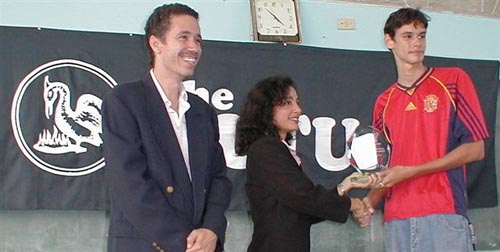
pixel 297 109
pixel 419 41
pixel 194 45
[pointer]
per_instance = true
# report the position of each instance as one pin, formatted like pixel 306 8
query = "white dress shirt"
pixel 178 119
pixel 293 151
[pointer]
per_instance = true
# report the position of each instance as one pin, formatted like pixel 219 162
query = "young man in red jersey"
pixel 433 120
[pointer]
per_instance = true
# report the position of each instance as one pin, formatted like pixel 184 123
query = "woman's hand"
pixel 358 180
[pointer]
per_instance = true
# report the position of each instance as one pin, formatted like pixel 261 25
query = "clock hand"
pixel 274 16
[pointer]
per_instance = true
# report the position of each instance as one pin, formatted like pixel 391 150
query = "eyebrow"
pixel 187 33
pixel 412 32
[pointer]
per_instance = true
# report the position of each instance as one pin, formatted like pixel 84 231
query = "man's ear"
pixel 388 41
pixel 154 43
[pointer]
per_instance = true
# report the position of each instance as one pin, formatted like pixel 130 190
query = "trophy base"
pixel 360 179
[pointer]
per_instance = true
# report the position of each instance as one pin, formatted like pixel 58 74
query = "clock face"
pixel 276 17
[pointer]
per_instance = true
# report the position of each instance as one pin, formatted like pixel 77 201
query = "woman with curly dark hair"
pixel 284 202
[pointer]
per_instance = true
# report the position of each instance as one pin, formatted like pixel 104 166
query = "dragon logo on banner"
pixel 71 127
pixel 56 116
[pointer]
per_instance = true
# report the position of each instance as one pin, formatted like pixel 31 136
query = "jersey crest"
pixel 431 103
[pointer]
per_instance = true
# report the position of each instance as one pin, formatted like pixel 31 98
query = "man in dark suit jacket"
pixel 165 166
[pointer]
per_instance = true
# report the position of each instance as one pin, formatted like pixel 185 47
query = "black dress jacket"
pixel 284 202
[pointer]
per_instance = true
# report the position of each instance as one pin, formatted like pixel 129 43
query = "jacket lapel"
pixel 167 140
pixel 197 141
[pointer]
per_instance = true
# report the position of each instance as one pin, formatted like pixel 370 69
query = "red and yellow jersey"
pixel 424 122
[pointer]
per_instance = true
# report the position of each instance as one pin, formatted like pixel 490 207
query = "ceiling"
pixel 483 8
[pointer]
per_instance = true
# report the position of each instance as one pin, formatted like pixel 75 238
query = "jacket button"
pixel 169 189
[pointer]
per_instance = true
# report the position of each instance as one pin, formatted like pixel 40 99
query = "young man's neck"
pixel 408 74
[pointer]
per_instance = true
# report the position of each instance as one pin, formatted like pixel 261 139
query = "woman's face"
pixel 286 115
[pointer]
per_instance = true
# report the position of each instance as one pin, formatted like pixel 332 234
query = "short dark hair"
pixel 402 17
pixel 256 116
pixel 159 22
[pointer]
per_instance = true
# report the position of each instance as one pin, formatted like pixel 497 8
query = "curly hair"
pixel 256 116
pixel 402 17
pixel 159 22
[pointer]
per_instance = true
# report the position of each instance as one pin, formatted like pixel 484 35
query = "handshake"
pixel 362 209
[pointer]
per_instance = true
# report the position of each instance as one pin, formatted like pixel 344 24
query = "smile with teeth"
pixel 189 57
pixel 189 60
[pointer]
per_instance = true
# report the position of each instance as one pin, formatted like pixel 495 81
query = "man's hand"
pixel 396 174
pixel 362 211
pixel 201 240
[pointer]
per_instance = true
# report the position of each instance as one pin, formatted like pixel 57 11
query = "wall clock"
pixel 276 20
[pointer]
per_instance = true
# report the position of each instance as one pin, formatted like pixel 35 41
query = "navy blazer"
pixel 154 204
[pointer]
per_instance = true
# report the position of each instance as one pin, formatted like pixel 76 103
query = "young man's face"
pixel 180 49
pixel 408 44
